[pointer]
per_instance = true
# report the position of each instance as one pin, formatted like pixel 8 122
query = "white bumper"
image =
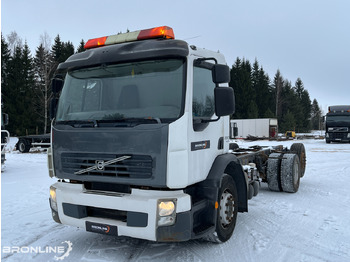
pixel 143 201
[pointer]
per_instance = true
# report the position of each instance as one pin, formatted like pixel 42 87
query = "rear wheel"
pixel 23 146
pixel 299 149
pixel 290 173
pixel 273 171
pixel 227 208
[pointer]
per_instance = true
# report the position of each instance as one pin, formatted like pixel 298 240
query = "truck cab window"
pixel 203 93
pixel 203 105
pixel 143 90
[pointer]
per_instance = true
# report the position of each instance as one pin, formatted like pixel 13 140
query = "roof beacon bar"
pixel 152 33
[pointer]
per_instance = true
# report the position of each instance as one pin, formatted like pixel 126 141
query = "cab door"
pixel 206 137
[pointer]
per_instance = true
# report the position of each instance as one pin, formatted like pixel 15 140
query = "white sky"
pixel 309 39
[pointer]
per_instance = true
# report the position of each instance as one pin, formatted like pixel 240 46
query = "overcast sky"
pixel 309 39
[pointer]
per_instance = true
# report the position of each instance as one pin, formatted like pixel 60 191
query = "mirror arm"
pixel 210 120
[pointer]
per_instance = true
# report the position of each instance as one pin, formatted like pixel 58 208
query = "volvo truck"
pixel 338 124
pixel 140 142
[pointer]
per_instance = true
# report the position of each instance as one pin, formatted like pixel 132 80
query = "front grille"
pixel 137 166
pixel 336 135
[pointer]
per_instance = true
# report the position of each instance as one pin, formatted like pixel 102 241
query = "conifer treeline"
pixel 26 79
pixel 26 92
pixel 257 96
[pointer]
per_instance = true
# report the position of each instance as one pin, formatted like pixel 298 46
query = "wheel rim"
pixel 227 208
pixel 21 147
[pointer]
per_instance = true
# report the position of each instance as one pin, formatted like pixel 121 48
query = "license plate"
pixel 101 228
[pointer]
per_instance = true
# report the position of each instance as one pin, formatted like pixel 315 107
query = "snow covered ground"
pixel 311 225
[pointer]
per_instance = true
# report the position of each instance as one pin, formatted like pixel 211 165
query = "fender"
pixel 229 164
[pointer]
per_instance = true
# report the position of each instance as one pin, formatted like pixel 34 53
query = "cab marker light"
pixel 164 32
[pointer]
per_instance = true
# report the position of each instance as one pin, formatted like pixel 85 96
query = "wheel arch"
pixel 229 164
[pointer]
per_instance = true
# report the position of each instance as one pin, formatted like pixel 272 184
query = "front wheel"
pixel 226 211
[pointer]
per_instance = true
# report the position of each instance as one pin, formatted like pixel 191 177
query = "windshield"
pixel 148 89
pixel 338 118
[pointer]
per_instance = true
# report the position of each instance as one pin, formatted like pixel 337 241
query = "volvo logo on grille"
pixel 100 165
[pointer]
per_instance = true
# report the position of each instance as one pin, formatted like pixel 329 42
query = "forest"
pixel 26 90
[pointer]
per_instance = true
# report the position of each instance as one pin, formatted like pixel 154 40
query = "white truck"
pixel 140 142
pixel 259 128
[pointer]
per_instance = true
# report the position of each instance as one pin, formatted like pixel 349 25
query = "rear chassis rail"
pixel 25 143
pixel 259 156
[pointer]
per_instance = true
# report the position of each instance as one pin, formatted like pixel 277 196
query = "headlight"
pixel 166 212
pixel 53 201
pixel 348 135
pixel 166 208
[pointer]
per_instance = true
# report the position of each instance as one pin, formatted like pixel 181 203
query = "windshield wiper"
pixel 133 121
pixel 79 123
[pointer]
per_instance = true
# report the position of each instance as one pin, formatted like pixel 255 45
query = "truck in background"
pixel 5 136
pixel 338 124
pixel 141 143
pixel 25 143
pixel 259 128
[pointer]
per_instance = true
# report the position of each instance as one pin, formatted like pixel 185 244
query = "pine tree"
pixel 57 49
pixel 305 106
pixel 81 46
pixel 288 123
pixel 278 85
pixel 242 85
pixel 18 91
pixel 261 86
pixel 67 51
pixel 5 58
pixel 316 116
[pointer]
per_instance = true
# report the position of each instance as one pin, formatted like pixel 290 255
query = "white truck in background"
pixel 140 142
pixel 259 128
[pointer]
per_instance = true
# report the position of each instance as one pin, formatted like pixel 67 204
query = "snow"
pixel 310 225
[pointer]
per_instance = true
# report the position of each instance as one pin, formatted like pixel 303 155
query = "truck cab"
pixel 140 141
pixel 338 124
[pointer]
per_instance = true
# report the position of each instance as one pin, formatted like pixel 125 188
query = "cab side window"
pixel 203 106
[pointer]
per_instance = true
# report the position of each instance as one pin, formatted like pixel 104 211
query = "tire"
pixel 256 188
pixel 250 191
pixel 273 172
pixel 290 173
pixel 23 146
pixel 299 149
pixel 226 212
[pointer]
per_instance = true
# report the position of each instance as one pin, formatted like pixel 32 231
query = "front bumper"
pixel 338 137
pixel 133 215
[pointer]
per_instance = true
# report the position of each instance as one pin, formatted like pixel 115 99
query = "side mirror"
pixel 56 85
pixel 53 107
pixel 221 74
pixel 224 101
